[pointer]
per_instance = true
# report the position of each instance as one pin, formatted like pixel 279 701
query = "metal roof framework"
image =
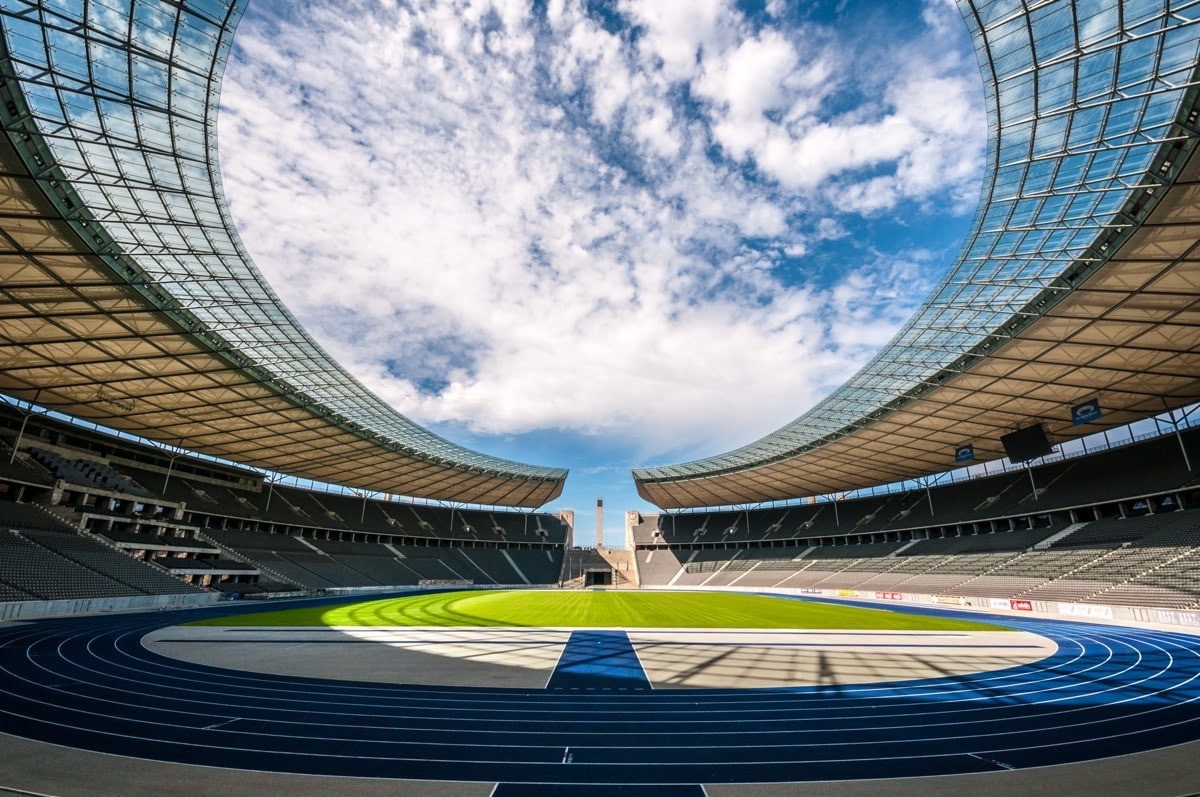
pixel 126 296
pixel 1080 278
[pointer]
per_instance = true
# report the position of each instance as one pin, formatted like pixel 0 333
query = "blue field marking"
pixel 598 660
pixel 89 683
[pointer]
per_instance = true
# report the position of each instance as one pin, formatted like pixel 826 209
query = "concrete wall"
pixel 1182 619
pixel 30 610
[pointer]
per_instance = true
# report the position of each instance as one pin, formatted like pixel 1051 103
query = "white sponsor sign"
pixel 1178 618
pixel 1086 610
pixel 998 603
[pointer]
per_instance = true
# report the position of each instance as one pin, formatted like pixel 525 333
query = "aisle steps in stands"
pixel 515 566
pixel 720 569
pixel 474 564
pixel 1067 532
pixel 1159 565
pixel 226 550
pixel 682 569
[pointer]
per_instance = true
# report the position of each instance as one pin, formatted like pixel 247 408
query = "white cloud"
pixel 676 31
pixel 514 223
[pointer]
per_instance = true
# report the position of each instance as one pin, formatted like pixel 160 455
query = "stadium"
pixel 227 565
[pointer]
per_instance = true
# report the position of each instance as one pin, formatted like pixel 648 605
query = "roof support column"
pixel 1187 461
pixel 29 411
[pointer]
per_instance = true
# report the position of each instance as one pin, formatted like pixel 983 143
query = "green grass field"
pixel 599 609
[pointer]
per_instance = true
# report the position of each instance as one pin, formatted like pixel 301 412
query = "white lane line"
pixel 216 725
pixel 992 761
pixel 1192 651
pixel 693 747
pixel 24 792
pixel 561 652
pixel 636 655
pixel 567 759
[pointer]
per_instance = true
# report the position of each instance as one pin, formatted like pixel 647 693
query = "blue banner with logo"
pixel 964 453
pixel 1086 412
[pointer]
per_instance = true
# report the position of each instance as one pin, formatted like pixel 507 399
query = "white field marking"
pixel 776 658
pixel 557 662
pixel 645 672
pixel 26 792
pixel 1136 697
pixel 208 693
pixel 1063 666
pixel 388 654
pixel 216 725
pixel 530 648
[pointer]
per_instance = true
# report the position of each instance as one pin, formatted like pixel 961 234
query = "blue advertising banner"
pixel 964 453
pixel 1086 412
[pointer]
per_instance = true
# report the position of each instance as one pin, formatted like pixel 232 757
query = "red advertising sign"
pixel 1022 606
pixel 890 596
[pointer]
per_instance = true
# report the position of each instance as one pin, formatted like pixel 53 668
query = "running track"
pixel 88 683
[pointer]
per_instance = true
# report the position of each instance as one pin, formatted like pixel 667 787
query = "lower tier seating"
pixel 1152 560
pixel 320 564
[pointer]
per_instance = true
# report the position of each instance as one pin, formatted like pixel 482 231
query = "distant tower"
pixel 599 523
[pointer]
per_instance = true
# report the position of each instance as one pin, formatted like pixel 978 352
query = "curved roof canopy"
pixel 1079 279
pixel 126 296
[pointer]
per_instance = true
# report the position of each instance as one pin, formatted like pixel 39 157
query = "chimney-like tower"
pixel 599 523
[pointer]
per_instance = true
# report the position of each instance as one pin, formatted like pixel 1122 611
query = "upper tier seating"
pixel 88 472
pixel 1125 472
pixel 17 515
pixel 23 468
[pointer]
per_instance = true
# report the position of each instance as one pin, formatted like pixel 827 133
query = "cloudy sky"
pixel 602 234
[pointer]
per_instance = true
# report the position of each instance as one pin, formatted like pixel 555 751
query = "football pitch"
pixel 599 609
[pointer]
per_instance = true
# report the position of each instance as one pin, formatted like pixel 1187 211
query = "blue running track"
pixel 89 683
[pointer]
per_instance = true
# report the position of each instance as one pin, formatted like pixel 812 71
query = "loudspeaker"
pixel 1026 444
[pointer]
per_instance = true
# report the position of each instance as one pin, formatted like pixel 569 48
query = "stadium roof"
pixel 1079 280
pixel 126 296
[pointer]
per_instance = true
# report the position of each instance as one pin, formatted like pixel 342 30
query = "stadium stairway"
pixel 580 561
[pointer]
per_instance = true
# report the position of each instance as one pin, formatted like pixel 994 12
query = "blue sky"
pixel 602 235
